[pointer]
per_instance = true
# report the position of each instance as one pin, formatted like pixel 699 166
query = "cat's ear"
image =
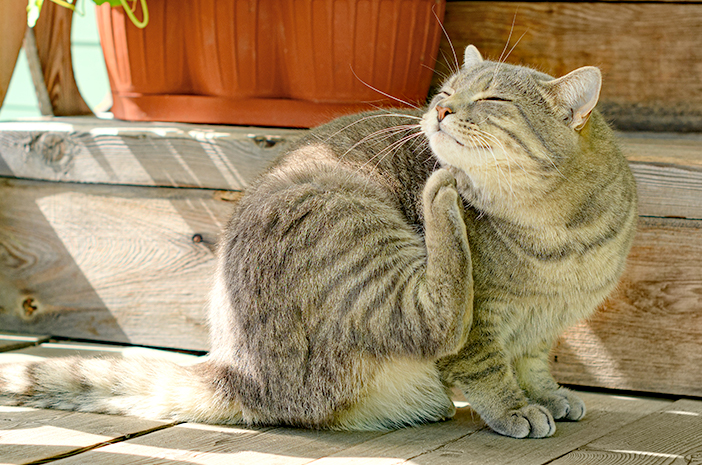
pixel 577 92
pixel 471 57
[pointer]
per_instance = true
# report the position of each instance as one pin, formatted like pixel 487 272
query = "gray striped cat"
pixel 387 257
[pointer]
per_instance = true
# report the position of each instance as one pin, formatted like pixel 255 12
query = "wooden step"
pixel 107 232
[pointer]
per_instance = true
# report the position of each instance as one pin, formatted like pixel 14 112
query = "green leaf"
pixel 33 10
pixel 111 2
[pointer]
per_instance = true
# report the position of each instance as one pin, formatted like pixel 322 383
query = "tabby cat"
pixel 390 256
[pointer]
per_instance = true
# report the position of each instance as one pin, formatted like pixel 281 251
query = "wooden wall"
pixel 107 229
pixel 107 233
pixel 649 51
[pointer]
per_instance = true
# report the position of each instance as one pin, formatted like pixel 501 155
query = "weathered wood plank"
pixel 672 435
pixel 112 263
pixel 605 414
pixel 406 444
pixel 80 349
pixel 10 341
pixel 89 150
pixel 29 435
pixel 667 167
pixel 648 336
pixel 214 445
pixel 108 263
pixel 649 52
pixel 668 172
pixel 588 457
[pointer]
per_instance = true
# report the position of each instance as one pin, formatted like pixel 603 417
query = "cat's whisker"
pixel 516 43
pixel 397 144
pixel 443 76
pixel 404 102
pixel 447 63
pixel 453 50
pixel 509 37
pixel 389 134
pixel 380 156
pixel 365 118
pixel 555 167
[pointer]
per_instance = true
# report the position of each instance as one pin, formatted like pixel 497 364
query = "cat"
pixel 388 257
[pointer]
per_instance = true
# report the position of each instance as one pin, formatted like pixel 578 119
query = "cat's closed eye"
pixel 493 99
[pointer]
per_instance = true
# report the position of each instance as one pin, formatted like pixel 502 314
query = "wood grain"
pixel 649 52
pixel 221 445
pixel 667 167
pixel 148 154
pixel 108 263
pixel 28 435
pixel 114 262
pixel 648 335
pixel 605 414
pixel 53 39
pixel 672 435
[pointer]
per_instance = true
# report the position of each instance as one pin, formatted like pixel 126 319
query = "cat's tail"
pixel 143 387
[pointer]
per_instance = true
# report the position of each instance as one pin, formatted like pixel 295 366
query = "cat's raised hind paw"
pixel 533 421
pixel 441 197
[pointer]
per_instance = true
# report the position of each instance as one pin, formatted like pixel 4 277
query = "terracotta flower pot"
pixel 339 50
pixel 268 63
pixel 13 23
pixel 232 50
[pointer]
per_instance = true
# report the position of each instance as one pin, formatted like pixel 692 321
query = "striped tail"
pixel 142 387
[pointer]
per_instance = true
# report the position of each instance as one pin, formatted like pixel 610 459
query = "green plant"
pixel 34 9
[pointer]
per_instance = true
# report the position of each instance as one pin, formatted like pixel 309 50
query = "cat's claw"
pixel 564 405
pixel 533 421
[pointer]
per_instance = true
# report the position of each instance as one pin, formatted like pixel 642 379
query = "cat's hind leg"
pixel 403 393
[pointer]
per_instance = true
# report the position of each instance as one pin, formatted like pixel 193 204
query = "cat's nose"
pixel 442 112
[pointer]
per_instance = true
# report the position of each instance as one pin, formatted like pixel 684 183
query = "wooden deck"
pixel 619 429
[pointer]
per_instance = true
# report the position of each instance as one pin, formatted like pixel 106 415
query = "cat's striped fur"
pixel 354 287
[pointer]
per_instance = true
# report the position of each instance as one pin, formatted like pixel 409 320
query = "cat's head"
pixel 506 126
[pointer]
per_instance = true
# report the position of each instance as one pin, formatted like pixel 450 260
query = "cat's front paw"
pixel 533 421
pixel 564 404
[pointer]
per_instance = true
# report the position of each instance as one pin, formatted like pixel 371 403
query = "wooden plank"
pixel 405 444
pixel 605 414
pixel 212 445
pixel 668 167
pixel 29 435
pixel 668 172
pixel 587 457
pixel 649 52
pixel 79 349
pixel 89 150
pixel 10 341
pixel 648 336
pixel 108 263
pixel 670 436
